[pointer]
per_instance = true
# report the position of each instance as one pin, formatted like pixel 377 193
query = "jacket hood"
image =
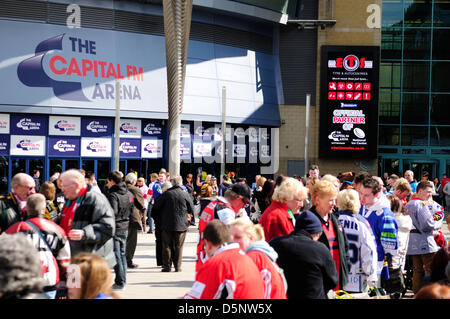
pixel 383 202
pixel 120 188
pixel 263 247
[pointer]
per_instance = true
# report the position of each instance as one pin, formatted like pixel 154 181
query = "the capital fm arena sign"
pixel 349 101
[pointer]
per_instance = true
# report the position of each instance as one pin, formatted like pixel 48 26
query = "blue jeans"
pixel 150 221
pixel 120 240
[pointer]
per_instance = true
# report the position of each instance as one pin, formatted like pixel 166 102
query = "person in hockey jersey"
pixel 250 238
pixel 228 273
pixel 49 239
pixel 362 246
pixel 427 217
pixel 223 208
pixel 377 210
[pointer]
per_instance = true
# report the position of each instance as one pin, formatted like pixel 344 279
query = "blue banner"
pixel 64 146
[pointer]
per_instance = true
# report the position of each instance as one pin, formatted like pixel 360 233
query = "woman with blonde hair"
pixel 287 199
pixel 362 246
pixel 250 238
pixel 323 197
pixel 48 189
pixel 93 275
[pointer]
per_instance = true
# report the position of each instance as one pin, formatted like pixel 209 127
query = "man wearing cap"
pixel 307 264
pixel 222 208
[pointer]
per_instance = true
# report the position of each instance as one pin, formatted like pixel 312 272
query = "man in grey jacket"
pixel 87 218
pixel 424 213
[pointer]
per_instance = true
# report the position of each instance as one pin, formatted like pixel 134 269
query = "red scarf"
pixel 69 211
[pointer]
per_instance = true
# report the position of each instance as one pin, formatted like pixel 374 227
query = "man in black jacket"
pixel 121 201
pixel 13 206
pixel 307 264
pixel 171 210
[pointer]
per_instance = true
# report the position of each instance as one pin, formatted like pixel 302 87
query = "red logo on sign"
pixel 332 86
pixel 349 86
pixel 366 86
pixel 341 86
pixel 340 95
pixel 349 96
pixel 357 96
pixel 366 96
pixel 332 95
pixel 358 86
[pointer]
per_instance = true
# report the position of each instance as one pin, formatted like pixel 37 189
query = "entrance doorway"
pixel 100 167
pixel 136 165
pixel 61 165
pixel 419 167
pixel 27 165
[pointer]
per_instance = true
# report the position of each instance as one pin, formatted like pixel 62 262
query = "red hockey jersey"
pixel 229 274
pixel 274 286
pixel 218 209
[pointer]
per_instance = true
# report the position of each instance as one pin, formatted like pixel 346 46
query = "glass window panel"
pixel 439 109
pixel 390 75
pixel 391 166
pixel 417 13
pixel 415 109
pixel 439 75
pixel 392 13
pixel 441 43
pixel 417 44
pixel 440 136
pixel 441 13
pixel 388 135
pixel 416 76
pixel 391 44
pixel 415 135
pixel 389 111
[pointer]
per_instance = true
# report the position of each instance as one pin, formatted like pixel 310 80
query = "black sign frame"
pixel 348 126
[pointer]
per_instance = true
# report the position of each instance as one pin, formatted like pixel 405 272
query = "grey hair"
pixel 74 176
pixel 35 205
pixel 20 267
pixel 130 178
pixel 177 180
pixel 166 185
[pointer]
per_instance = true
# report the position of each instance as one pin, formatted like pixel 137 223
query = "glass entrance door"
pixel 419 167
pixel 61 165
pixel 100 167
pixel 27 165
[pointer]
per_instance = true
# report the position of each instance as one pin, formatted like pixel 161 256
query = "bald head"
pixel 23 186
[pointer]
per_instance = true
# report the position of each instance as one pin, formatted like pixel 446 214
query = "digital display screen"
pixel 349 101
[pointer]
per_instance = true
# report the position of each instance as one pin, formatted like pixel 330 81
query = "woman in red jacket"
pixel 250 238
pixel 278 219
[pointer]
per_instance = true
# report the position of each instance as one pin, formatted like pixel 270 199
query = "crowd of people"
pixel 289 238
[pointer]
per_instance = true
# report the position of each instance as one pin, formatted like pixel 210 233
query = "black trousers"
pixel 131 242
pixel 172 248
pixel 158 244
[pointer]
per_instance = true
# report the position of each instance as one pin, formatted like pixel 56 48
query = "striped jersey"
pixel 384 227
pixel 362 250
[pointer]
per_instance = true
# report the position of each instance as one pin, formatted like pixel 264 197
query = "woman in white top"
pixel 404 223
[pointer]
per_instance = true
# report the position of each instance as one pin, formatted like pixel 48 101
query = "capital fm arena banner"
pixel 349 101
pixel 50 65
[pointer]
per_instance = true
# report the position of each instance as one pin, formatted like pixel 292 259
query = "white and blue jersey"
pixel 362 251
pixel 384 227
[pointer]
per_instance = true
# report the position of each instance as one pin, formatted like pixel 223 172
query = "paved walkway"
pixel 148 282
